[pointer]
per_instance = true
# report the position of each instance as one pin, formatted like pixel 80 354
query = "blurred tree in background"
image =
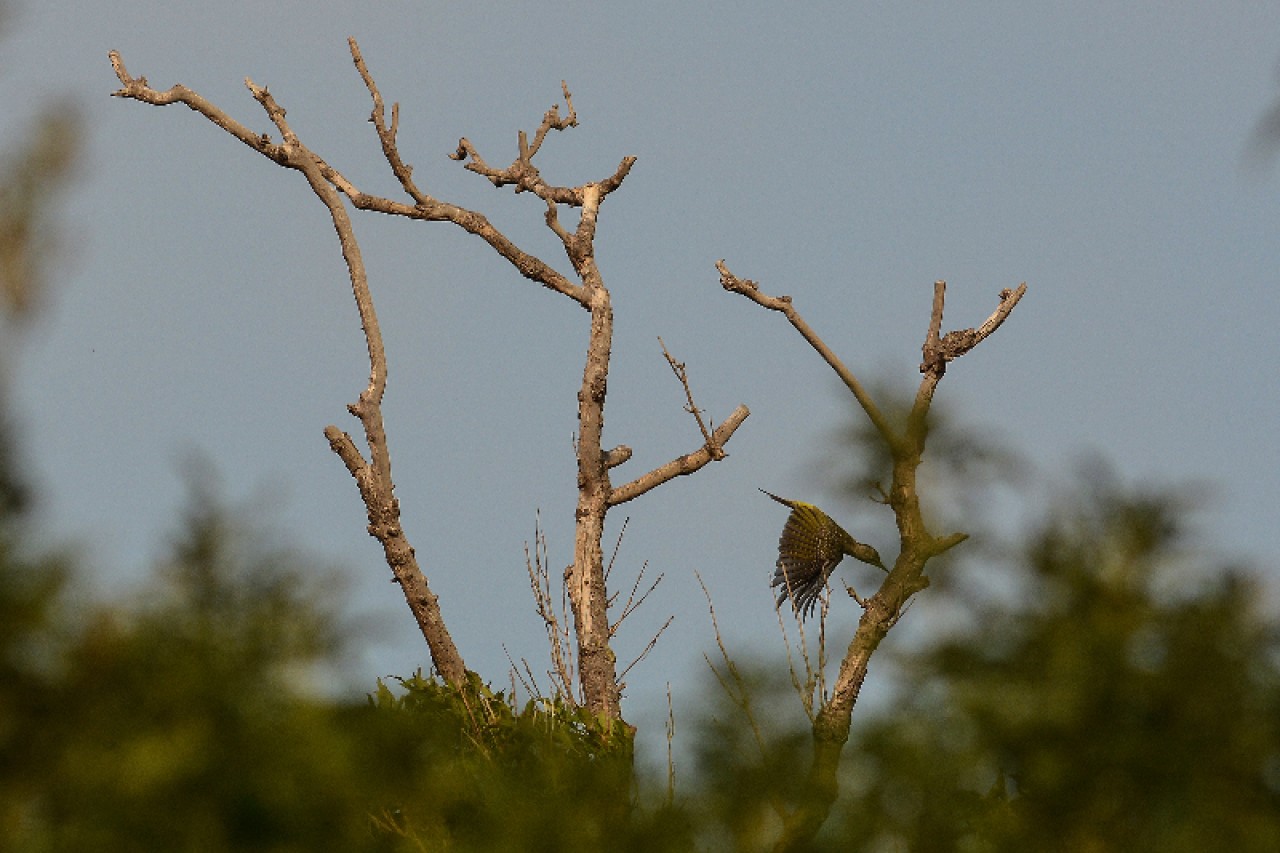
pixel 185 720
pixel 1130 702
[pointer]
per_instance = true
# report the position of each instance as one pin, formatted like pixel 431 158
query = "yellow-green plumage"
pixel 810 548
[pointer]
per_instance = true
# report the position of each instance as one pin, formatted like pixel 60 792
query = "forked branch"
pixel 682 374
pixel 712 449
pixel 881 611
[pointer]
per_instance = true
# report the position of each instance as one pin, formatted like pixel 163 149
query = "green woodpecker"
pixel 810 548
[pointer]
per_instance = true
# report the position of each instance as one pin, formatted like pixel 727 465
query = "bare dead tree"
pixel 917 545
pixel 585 578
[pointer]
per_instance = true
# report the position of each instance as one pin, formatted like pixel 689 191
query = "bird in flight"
pixel 810 548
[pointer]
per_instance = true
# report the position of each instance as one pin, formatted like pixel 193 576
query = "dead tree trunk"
pixel 585 579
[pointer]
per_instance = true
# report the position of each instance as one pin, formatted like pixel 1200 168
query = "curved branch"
pixel 137 89
pixel 373 478
pixel 751 290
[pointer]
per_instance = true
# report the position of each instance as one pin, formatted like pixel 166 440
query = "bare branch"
pixel 387 135
pixel 137 89
pixel 525 176
pixel 373 477
pixel 644 654
pixel 617 456
pixel 559 640
pixel 933 367
pixel 632 602
pixel 736 689
pixel 551 121
pixel 957 343
pixel 946 543
pixel 853 593
pixel 940 349
pixel 681 465
pixel 933 360
pixel 751 290
pixel 678 368
pixel 428 208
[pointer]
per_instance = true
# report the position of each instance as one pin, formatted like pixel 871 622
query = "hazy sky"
pixel 845 154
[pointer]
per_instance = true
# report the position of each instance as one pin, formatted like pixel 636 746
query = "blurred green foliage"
pixel 1129 703
pixel 185 720
pixel 33 178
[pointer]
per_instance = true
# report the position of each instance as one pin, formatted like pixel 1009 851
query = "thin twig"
pixel 678 368
pixel 530 686
pixel 803 688
pixel 648 648
pixel 738 693
pixel 632 602
pixel 671 737
pixel 617 546
pixel 735 687
pixel 559 640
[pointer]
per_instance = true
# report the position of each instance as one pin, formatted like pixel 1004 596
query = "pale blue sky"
pixel 846 154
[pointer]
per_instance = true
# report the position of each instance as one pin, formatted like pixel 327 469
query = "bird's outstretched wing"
pixel 810 548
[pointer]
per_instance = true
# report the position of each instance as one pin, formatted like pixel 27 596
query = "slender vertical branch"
pixel 682 374
pixel 554 619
